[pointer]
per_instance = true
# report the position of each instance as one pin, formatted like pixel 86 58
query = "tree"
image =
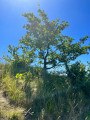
pixel 44 39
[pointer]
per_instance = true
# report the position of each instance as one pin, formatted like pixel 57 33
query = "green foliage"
pixel 50 96
pixel 44 41
pixel 77 74
pixel 14 55
pixel 70 51
pixel 18 67
pixel 79 78
pixel 41 37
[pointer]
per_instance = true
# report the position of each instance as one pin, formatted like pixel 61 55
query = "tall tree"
pixel 44 39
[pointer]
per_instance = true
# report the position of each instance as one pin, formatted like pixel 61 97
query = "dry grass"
pixel 8 112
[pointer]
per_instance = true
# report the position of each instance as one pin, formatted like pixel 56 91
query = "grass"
pixel 48 96
pixel 12 113
pixel 9 112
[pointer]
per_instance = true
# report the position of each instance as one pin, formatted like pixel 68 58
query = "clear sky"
pixel 76 12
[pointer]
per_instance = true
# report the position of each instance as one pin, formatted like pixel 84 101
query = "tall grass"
pixel 13 89
pixel 50 96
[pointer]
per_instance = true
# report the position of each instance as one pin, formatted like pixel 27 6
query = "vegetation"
pixel 44 95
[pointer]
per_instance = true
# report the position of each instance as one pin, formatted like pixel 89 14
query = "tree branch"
pixel 47 51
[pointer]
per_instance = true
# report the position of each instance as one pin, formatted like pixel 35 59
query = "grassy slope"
pixel 8 111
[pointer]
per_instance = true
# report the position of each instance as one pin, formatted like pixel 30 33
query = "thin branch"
pixel 50 67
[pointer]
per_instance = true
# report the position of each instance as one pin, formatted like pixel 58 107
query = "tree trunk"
pixel 44 63
pixel 67 68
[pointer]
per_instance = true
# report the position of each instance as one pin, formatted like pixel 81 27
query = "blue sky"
pixel 76 12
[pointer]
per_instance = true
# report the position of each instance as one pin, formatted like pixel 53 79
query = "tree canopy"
pixel 44 40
